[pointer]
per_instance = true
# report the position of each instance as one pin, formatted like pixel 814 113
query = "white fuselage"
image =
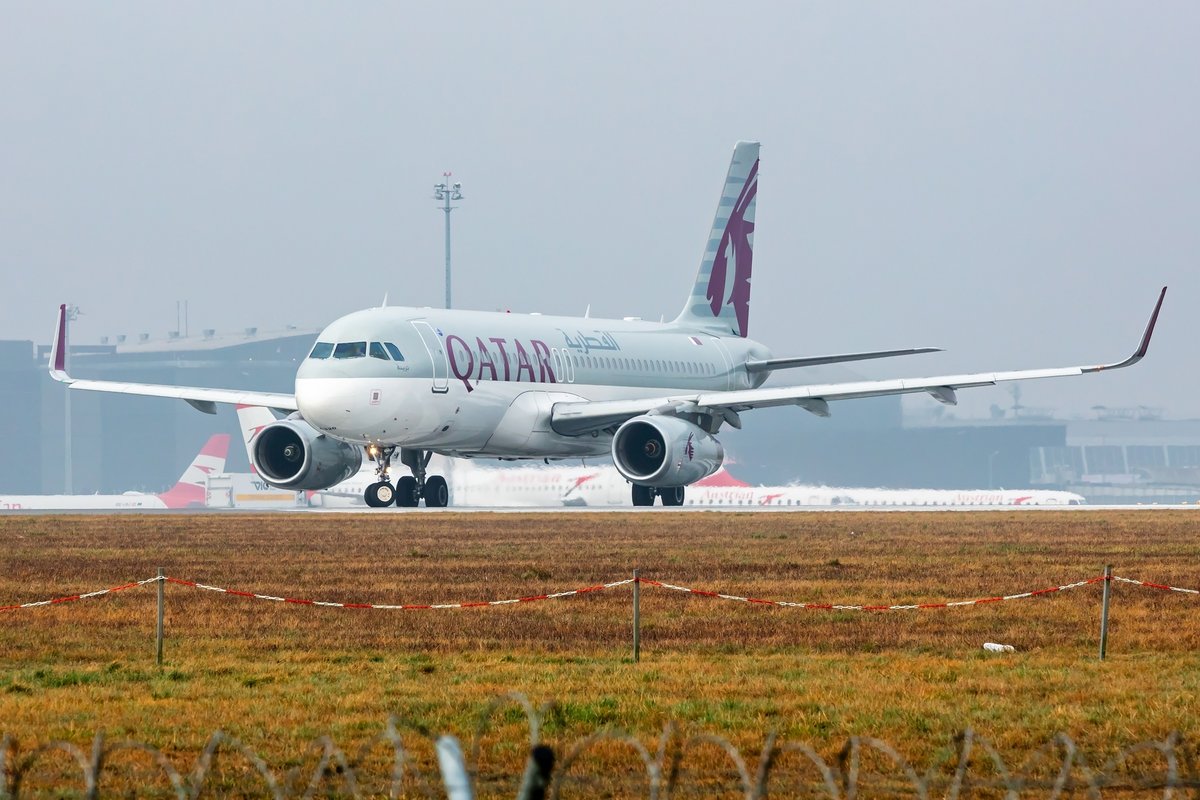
pixel 605 487
pixel 478 383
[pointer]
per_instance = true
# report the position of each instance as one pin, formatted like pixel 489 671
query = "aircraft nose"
pixel 326 403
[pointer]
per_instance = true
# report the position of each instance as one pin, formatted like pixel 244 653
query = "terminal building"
pixel 121 443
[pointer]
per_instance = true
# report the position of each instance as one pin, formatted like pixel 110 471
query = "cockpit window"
pixel 376 351
pixel 350 350
pixel 321 350
pixel 395 351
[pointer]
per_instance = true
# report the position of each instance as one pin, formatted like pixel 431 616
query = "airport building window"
pixel 1184 455
pixel 1104 459
pixel 395 351
pixel 375 350
pixel 1139 455
pixel 321 350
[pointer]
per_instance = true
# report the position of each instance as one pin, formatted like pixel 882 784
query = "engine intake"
pixel 291 454
pixel 665 451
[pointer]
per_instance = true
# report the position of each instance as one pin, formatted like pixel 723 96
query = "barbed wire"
pixel 675 765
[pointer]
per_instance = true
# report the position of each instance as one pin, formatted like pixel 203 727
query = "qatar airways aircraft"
pixel 405 383
pixel 188 492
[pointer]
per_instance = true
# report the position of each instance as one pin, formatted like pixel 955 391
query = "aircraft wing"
pixel 200 398
pixel 577 418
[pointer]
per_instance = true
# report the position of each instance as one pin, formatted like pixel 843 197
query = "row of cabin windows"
pixel 384 351
pixel 656 365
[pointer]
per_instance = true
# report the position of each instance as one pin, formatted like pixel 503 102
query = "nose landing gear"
pixel 380 494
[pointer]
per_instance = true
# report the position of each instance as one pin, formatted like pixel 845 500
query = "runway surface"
pixel 605 510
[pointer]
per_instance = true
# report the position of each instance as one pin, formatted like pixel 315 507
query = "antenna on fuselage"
pixel 384 304
pixel 587 312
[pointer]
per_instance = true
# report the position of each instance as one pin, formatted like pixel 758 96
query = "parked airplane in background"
pixel 411 382
pixel 189 492
pixel 605 487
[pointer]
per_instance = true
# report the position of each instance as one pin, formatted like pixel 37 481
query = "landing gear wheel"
pixel 437 492
pixel 672 496
pixel 406 492
pixel 378 495
pixel 643 495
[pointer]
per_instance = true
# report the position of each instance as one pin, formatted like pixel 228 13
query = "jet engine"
pixel 292 454
pixel 665 451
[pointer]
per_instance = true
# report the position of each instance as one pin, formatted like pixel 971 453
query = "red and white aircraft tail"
pixel 189 491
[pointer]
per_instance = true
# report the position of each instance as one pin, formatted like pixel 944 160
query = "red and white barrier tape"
pixel 600 588
pixel 907 607
pixel 1161 586
pixel 74 597
pixel 407 606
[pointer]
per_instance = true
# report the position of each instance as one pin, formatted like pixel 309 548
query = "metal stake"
pixel 159 634
pixel 637 617
pixel 1104 610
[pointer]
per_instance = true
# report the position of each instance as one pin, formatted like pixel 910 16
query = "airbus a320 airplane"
pixel 408 382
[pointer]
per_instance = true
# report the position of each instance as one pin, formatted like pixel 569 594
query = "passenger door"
pixel 437 355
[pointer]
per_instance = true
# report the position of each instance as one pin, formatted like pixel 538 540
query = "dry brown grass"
pixel 278 675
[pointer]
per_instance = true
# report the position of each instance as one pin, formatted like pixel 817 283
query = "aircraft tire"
pixel 643 495
pixel 437 492
pixel 672 496
pixel 371 495
pixel 406 492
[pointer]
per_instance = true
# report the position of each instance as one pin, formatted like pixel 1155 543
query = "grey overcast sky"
pixel 1012 181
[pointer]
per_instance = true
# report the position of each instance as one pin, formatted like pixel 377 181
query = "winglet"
pixel 58 350
pixel 1143 347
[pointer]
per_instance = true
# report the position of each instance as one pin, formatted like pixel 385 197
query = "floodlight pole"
pixel 446 191
pixel 69 466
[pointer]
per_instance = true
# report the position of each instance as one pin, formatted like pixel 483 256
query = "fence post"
pixel 158 638
pixel 637 617
pixel 1104 610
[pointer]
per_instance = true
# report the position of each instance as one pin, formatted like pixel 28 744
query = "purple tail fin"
pixel 720 299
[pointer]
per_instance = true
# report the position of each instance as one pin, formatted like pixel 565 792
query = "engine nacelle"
pixel 664 451
pixel 292 454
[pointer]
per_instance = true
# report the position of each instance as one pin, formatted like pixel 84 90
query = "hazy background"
pixel 1013 182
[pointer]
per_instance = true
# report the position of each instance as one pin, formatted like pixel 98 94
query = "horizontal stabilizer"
pixel 769 364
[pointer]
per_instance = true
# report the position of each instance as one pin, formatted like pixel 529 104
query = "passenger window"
pixel 321 350
pixel 376 351
pixel 350 350
pixel 395 351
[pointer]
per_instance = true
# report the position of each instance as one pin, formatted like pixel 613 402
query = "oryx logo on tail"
pixel 719 303
pixel 736 245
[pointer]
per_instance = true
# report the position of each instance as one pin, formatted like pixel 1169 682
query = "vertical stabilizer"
pixel 189 492
pixel 252 419
pixel 720 299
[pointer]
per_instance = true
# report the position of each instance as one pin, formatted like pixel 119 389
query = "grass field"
pixel 276 676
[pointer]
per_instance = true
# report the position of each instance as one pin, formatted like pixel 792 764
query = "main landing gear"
pixel 644 495
pixel 410 489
